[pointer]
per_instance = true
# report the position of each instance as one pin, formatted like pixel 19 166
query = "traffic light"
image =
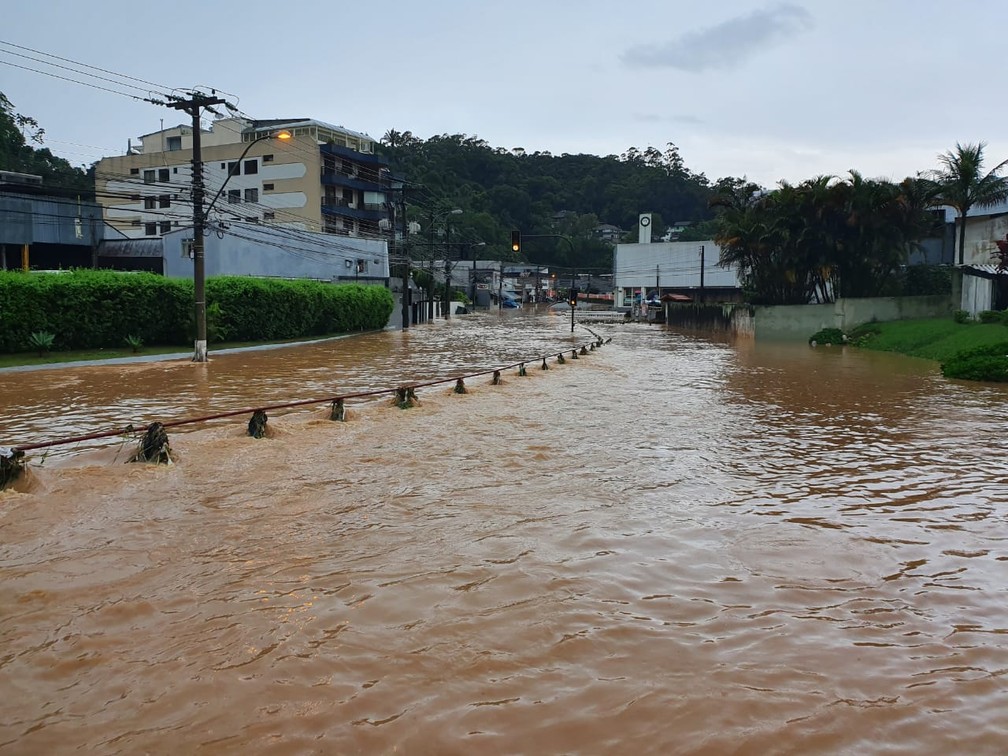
pixel 573 297
pixel 516 241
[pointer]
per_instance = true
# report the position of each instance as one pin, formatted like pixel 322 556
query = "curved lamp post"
pixel 199 222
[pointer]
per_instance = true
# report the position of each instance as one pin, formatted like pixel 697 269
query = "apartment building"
pixel 323 178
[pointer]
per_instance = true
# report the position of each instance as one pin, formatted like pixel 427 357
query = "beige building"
pixel 324 178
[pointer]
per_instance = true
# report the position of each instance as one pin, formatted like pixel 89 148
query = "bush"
pixel 864 333
pixel 993 316
pixel 986 363
pixel 41 341
pixel 91 309
pixel 961 316
pixel 828 336
pixel 920 280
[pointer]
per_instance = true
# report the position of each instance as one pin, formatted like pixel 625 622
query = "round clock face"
pixel 645 221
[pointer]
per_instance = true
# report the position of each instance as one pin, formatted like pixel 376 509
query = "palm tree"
pixel 962 184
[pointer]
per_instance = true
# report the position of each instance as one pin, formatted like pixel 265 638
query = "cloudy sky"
pixel 769 90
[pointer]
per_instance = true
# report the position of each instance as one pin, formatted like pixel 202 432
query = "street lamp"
pixel 199 222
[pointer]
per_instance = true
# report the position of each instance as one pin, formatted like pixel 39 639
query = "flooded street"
pixel 671 545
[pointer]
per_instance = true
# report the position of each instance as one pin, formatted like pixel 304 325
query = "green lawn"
pixel 933 338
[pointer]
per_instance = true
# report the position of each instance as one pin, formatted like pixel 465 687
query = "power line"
pixel 87 65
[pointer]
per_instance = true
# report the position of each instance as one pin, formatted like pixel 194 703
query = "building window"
pixel 268 215
pixel 362 266
pixel 267 187
pixel 223 166
pixel 134 171
pixel 165 227
pixel 149 203
pixel 164 200
pixel 252 219
pixel 251 166
pixel 174 170
pixel 234 169
pixel 150 229
pixel 234 196
pixel 174 143
pixel 267 158
pixel 148 177
pixel 251 195
pixel 164 174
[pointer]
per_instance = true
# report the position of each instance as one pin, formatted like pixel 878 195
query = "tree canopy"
pixel 18 134
pixel 823 238
pixel 541 194
pixel 963 184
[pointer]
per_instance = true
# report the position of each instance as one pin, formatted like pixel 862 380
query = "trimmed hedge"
pixel 88 309
pixel 985 363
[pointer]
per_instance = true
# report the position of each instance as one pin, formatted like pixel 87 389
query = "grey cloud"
pixel 725 45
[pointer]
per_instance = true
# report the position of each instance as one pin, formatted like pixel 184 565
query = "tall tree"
pixel 823 238
pixel 17 132
pixel 962 183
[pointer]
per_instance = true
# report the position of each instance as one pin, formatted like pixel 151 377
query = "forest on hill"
pixel 541 194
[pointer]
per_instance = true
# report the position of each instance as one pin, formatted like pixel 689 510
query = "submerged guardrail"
pixel 153 445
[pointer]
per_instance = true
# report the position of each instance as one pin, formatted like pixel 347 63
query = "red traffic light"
pixel 516 241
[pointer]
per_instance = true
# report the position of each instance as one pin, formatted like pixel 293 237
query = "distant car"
pixel 651 301
pixel 509 304
pixel 559 308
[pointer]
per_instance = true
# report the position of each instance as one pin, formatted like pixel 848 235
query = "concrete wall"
pixel 732 318
pixel 977 294
pixel 801 321
pixel 248 249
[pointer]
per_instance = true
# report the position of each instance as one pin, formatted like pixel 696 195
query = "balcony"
pixel 342 209
pixel 338 178
pixel 357 157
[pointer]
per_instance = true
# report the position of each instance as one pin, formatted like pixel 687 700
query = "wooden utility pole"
pixel 194 104
pixel 701 273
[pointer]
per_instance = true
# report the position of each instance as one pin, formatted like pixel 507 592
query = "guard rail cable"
pixel 153 445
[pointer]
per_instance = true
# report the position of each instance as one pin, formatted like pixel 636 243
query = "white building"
pixel 685 269
pixel 983 287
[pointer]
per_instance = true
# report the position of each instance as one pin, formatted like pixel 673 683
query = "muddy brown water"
pixel 672 545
